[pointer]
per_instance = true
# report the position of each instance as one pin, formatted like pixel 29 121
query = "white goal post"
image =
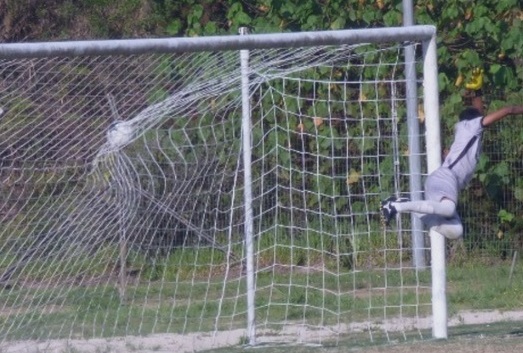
pixel 217 184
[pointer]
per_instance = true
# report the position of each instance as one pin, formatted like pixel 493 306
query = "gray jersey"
pixel 464 152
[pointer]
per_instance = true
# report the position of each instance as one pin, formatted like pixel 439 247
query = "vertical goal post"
pixel 132 173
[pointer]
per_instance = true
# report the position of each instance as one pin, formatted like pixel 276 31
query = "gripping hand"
pixel 476 81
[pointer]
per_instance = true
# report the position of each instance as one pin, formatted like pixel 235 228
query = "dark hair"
pixel 469 114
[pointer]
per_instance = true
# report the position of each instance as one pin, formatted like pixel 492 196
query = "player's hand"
pixel 476 81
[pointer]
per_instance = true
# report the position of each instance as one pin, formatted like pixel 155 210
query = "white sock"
pixel 445 207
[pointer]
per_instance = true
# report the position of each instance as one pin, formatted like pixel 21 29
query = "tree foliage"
pixel 471 33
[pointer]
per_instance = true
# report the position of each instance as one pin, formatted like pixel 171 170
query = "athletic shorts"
pixel 440 184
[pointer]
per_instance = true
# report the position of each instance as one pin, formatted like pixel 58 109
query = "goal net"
pixel 128 209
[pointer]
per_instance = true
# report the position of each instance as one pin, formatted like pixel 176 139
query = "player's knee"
pixel 448 208
pixel 450 231
pixel 454 232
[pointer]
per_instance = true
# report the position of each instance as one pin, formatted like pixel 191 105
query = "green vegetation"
pixel 155 306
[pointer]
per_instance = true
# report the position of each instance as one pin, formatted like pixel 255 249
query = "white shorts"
pixel 440 184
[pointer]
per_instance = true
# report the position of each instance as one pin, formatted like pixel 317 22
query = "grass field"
pixel 502 337
pixel 46 317
pixel 498 337
pixel 97 318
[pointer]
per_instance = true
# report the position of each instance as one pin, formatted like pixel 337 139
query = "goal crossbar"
pixel 253 41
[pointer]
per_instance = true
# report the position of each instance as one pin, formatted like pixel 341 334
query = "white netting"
pixel 122 195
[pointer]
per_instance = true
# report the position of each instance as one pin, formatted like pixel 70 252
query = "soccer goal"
pixel 221 189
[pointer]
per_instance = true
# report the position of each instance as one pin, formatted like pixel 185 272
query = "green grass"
pixel 483 286
pixel 185 306
pixel 305 277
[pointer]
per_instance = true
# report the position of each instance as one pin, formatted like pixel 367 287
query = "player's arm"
pixel 497 115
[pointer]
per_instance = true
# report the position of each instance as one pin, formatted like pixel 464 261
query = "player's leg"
pixel 388 208
pixel 445 208
pixel 392 206
pixel 440 216
pixel 451 228
pixel 441 194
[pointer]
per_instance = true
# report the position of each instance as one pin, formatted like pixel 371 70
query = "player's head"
pixel 469 114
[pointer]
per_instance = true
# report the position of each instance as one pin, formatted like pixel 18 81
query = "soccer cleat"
pixel 387 209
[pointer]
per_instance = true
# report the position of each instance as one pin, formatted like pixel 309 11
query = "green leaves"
pixel 503 76
pixel 237 17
